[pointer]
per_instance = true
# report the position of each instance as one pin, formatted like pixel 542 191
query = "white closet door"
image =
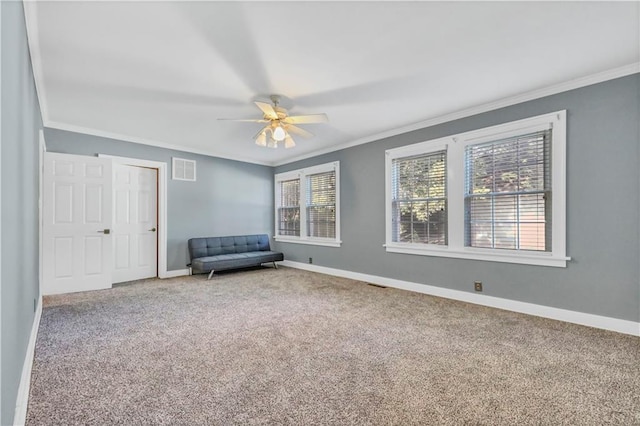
pixel 77 243
pixel 135 223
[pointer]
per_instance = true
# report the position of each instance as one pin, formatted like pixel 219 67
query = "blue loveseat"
pixel 220 253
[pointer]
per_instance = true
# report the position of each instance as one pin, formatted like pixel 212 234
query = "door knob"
pixel 152 229
pixel 105 231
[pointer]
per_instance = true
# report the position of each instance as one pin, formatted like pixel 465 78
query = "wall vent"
pixel 182 169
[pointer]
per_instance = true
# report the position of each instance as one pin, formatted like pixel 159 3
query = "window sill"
pixel 313 242
pixel 539 259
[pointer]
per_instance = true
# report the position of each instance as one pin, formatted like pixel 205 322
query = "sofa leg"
pixel 275 265
pixel 210 275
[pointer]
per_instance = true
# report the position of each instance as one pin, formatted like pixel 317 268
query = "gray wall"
pixel 20 124
pixel 602 210
pixel 229 197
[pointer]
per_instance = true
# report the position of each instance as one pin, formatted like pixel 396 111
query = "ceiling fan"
pixel 279 125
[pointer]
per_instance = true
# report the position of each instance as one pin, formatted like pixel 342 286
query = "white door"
pixel 135 214
pixel 76 222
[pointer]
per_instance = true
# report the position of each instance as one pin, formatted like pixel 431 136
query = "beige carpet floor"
pixel 289 347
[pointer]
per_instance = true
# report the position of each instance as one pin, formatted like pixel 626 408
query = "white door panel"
pixel 63 201
pixel 76 252
pixel 93 248
pixel 63 263
pixel 135 227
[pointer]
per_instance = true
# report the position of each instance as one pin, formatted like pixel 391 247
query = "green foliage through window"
pixel 419 199
pixel 289 208
pixel 508 193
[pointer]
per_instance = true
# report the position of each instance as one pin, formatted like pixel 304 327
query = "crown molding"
pixel 158 144
pixel 479 109
pixel 33 41
pixel 467 112
pixel 31 20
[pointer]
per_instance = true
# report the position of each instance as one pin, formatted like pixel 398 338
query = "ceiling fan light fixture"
pixel 279 125
pixel 288 142
pixel 261 140
pixel 279 134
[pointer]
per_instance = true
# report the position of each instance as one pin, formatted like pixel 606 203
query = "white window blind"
pixel 289 208
pixel 503 194
pixel 508 193
pixel 321 205
pixel 419 199
pixel 307 205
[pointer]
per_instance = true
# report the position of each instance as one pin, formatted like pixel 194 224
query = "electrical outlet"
pixel 311 260
pixel 477 285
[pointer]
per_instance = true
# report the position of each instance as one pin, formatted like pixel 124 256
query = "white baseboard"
pixel 176 273
pixel 22 401
pixel 596 321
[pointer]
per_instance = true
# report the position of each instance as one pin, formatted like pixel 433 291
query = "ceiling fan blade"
pixel 268 110
pixel 298 131
pixel 307 119
pixel 246 120
pixel 289 142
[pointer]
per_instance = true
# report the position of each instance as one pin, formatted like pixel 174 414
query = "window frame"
pixel 302 175
pixel 455 147
pixel 424 148
pixel 279 206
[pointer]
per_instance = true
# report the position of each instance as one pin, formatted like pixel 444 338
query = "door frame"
pixel 162 205
pixel 42 148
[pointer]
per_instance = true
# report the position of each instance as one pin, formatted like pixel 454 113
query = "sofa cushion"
pixel 212 246
pixel 219 253
pixel 234 260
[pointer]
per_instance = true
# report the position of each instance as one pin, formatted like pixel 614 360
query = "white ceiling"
pixel 163 72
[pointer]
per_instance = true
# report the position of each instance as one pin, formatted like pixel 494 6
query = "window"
pixel 419 200
pixel 313 194
pixel 507 193
pixel 289 210
pixel 321 205
pixel 495 194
